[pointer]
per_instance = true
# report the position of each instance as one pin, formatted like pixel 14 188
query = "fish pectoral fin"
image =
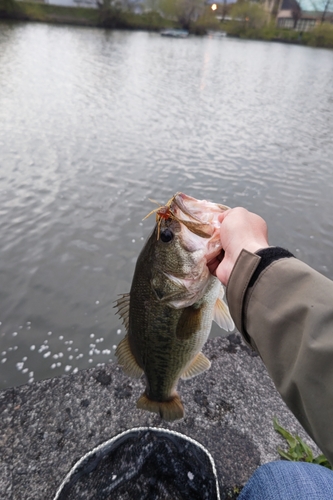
pixel 126 359
pixel 222 314
pixel 172 409
pixel 122 306
pixel 199 364
pixel 188 323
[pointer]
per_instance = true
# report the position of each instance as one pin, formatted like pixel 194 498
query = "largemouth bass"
pixel 172 302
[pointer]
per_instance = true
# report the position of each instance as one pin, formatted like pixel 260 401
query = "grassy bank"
pixel 320 36
pixel 108 18
pixel 27 11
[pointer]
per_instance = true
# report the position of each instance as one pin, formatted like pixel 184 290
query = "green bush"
pixel 205 23
pixel 34 11
pixel 49 13
pixel 268 32
pixel 320 36
pixel 116 18
pixel 111 17
pixel 9 9
pixel 249 15
pixel 183 12
pixel 289 35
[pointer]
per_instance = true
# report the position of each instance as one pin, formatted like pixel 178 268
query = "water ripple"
pixel 93 123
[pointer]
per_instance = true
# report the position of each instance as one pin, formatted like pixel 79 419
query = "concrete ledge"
pixel 47 426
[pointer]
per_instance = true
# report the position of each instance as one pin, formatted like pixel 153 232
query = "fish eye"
pixel 166 235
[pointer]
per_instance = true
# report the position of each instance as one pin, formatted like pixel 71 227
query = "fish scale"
pixel 172 303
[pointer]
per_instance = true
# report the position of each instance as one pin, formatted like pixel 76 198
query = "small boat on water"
pixel 176 33
pixel 216 34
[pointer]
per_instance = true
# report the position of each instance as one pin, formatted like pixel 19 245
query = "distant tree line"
pixel 243 19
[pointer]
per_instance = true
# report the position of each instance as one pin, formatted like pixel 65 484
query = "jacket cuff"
pixel 268 255
pixel 245 273
pixel 238 283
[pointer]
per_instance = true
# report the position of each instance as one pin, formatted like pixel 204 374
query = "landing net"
pixel 143 463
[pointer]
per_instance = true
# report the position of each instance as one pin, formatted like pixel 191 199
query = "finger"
pixel 223 215
pixel 223 271
pixel 214 263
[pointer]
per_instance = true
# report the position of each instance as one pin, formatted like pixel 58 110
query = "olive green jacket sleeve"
pixel 287 316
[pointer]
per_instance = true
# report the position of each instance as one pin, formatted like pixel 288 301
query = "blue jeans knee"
pixel 284 480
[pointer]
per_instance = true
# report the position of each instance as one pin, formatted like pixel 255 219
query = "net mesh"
pixel 143 464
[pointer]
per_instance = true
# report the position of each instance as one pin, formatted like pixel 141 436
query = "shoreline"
pixel 47 426
pixel 23 11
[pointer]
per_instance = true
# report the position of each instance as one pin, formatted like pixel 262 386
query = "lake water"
pixel 94 122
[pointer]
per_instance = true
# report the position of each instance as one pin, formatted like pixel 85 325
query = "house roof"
pixel 290 5
pixel 312 14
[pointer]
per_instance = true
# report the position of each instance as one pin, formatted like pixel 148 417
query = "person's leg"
pixel 284 480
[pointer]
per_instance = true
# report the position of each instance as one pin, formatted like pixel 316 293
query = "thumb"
pixel 224 269
pixel 223 215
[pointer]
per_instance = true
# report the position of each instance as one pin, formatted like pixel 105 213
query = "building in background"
pixel 291 16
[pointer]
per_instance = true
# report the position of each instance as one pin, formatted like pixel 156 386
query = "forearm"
pixel 287 316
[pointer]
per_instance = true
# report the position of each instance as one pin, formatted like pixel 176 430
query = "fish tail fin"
pixel 172 409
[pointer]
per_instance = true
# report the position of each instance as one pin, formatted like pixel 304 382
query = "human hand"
pixel 240 229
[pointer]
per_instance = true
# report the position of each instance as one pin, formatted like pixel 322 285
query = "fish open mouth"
pixel 205 215
pixel 199 216
pixel 202 211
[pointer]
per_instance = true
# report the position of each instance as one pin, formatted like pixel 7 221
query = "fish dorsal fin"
pixel 221 313
pixel 122 306
pixel 126 359
pixel 199 364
